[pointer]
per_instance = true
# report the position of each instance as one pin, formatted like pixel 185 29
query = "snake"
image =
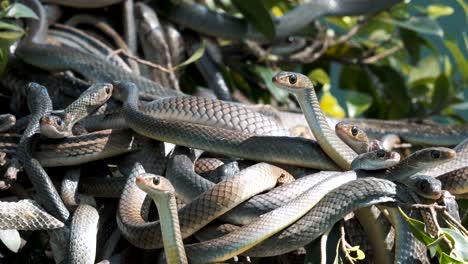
pixel 40 105
pixel 189 185
pixel 405 171
pixel 303 89
pixel 163 194
pixel 26 215
pixel 197 213
pixel 59 126
pixel 196 133
pixel 84 228
pixel 155 45
pixel 34 50
pixel 76 150
pixel 456 182
pixel 412 132
pixel 364 162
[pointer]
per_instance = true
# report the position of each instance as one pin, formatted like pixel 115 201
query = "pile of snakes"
pixel 107 161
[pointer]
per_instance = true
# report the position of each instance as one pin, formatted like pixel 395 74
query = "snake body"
pixel 26 215
pixel 288 150
pixel 333 206
pixel 82 247
pixel 303 89
pixel 163 194
pixel 208 206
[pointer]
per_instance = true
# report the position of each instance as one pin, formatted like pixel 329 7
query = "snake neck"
pixel 170 228
pixel 37 27
pixel 341 153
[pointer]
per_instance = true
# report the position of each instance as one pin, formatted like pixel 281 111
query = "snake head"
pixel 433 155
pixel 155 186
pixel 426 186
pixel 291 81
pixel 96 95
pixel 54 126
pixel 353 136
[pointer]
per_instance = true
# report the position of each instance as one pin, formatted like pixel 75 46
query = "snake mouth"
pixel 140 179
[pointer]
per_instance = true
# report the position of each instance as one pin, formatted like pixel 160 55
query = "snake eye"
pixel 354 130
pixel 107 90
pixel 59 122
pixel 380 153
pixel 156 180
pixel 292 78
pixel 435 154
pixel 424 186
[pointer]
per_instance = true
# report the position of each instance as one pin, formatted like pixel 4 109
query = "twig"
pixel 144 62
pixel 455 222
pixel 382 55
pixel 423 206
pixel 345 244
pixel 323 246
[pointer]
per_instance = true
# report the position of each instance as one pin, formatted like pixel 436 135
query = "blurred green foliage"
pixel 389 68
pixel 9 31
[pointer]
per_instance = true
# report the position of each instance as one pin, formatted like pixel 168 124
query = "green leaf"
pixel 419 24
pixel 417 228
pixel 395 91
pixel 447 66
pixel 9 33
pixel 330 106
pixel 464 5
pixel 267 74
pixel 436 11
pixel 426 71
pixel 413 42
pixel 3 59
pixel 319 76
pixel 446 259
pixel 460 60
pixel 195 56
pixel 18 10
pixel 442 93
pixel 258 15
pixel 357 103
pixel 461 242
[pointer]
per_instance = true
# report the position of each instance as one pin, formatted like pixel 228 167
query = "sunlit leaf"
pixel 360 255
pixel 276 11
pixel 319 76
pixel 11 239
pixel 195 56
pixel 419 24
pixel 18 10
pixel 357 103
pixel 330 106
pixel 436 11
pixel 447 66
pixel 9 33
pixel 426 71
pixel 258 15
pixel 267 74
pixel 446 259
